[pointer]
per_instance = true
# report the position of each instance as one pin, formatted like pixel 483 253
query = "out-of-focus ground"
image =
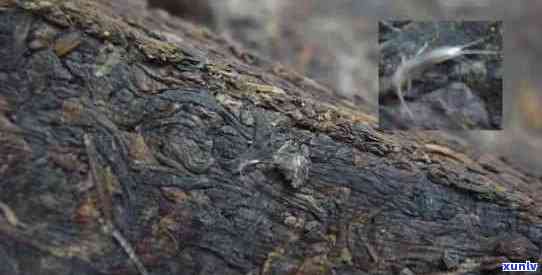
pixel 335 43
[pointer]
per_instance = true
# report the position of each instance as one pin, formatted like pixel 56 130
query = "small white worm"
pixel 10 216
pixel 420 62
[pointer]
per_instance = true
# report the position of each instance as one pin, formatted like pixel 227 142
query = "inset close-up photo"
pixel 440 75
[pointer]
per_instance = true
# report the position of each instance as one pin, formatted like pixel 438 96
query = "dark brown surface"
pixel 204 159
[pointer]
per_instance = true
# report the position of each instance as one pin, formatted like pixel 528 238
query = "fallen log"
pixel 142 144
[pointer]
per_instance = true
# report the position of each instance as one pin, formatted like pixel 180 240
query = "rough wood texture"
pixel 123 153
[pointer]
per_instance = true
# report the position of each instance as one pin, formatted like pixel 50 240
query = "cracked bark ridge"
pixel 173 112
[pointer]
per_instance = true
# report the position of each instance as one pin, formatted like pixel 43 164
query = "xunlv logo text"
pixel 527 266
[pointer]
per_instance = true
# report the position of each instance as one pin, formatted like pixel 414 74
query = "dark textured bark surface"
pixel 208 160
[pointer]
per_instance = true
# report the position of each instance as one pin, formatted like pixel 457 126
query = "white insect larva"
pixel 422 60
